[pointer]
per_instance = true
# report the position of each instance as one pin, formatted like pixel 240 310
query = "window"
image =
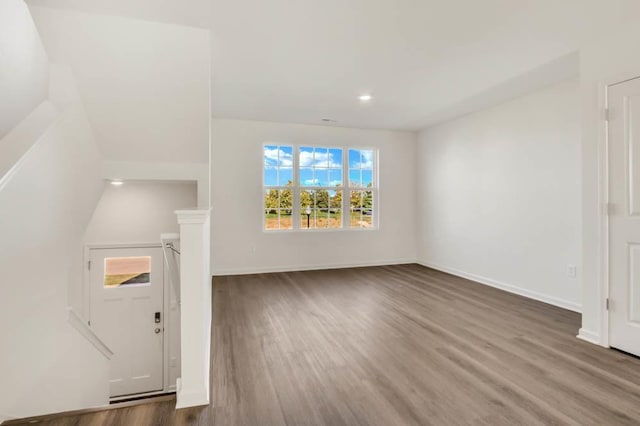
pixel 315 188
pixel 127 271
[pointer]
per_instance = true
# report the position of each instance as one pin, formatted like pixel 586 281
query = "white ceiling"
pixel 424 60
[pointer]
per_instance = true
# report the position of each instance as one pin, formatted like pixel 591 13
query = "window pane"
pixel 271 155
pixel 322 218
pixel 285 177
pixel 286 219
pixel 322 199
pixel 335 158
pixel 321 157
pixel 271 220
pixel 367 219
pixel 361 205
pixel 354 159
pixel 271 200
pixel 335 199
pixel 367 178
pixel 127 271
pixel 307 209
pixel 336 218
pixel 335 177
pixel 321 177
pixel 367 159
pixel 367 200
pixel 356 200
pixel 285 156
pixel 354 178
pixel 270 176
pixel 306 177
pixel 306 157
pixel 286 200
pixel 307 199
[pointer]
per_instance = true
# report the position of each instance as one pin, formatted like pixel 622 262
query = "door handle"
pixel 157 330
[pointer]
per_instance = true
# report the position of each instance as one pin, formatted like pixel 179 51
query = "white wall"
pixel 238 243
pixel 499 194
pixel 138 212
pixel 23 75
pixel 145 85
pixel 608 60
pixel 45 205
pixel 162 171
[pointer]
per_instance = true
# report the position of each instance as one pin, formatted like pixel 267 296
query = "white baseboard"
pixel 565 304
pixel 589 336
pixel 192 398
pixel 217 272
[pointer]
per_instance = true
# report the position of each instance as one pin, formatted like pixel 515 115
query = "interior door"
pixel 127 288
pixel 624 216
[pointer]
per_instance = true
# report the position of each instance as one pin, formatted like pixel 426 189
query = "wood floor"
pixel 397 345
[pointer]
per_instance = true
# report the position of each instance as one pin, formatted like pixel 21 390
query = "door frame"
pixel 603 206
pixel 86 300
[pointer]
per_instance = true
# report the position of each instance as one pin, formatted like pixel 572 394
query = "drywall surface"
pixel 145 85
pixel 607 61
pixel 162 171
pixel 239 245
pixel 138 212
pixel 24 76
pixel 45 206
pixel 499 195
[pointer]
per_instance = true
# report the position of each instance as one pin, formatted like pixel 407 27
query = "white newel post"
pixel 195 296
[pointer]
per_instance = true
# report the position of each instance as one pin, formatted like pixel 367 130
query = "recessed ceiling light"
pixel 365 97
pixel 117 182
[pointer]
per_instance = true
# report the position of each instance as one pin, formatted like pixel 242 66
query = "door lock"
pixel 157 317
pixel 157 330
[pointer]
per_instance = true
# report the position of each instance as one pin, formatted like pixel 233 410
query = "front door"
pixel 127 287
pixel 624 216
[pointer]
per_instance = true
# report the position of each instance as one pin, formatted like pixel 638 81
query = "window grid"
pixel 315 180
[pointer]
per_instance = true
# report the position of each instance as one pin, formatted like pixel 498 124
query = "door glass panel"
pixel 127 271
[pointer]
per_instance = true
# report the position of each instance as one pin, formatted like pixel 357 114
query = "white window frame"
pixel 297 188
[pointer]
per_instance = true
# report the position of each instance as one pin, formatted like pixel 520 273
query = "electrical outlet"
pixel 571 271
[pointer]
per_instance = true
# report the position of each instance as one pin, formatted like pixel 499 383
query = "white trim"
pixel 191 398
pixel 79 324
pixel 589 336
pixel 565 304
pixel 194 217
pixel 217 272
pixel 603 202
pixel 603 218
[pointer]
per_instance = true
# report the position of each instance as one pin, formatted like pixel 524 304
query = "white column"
pixel 195 296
